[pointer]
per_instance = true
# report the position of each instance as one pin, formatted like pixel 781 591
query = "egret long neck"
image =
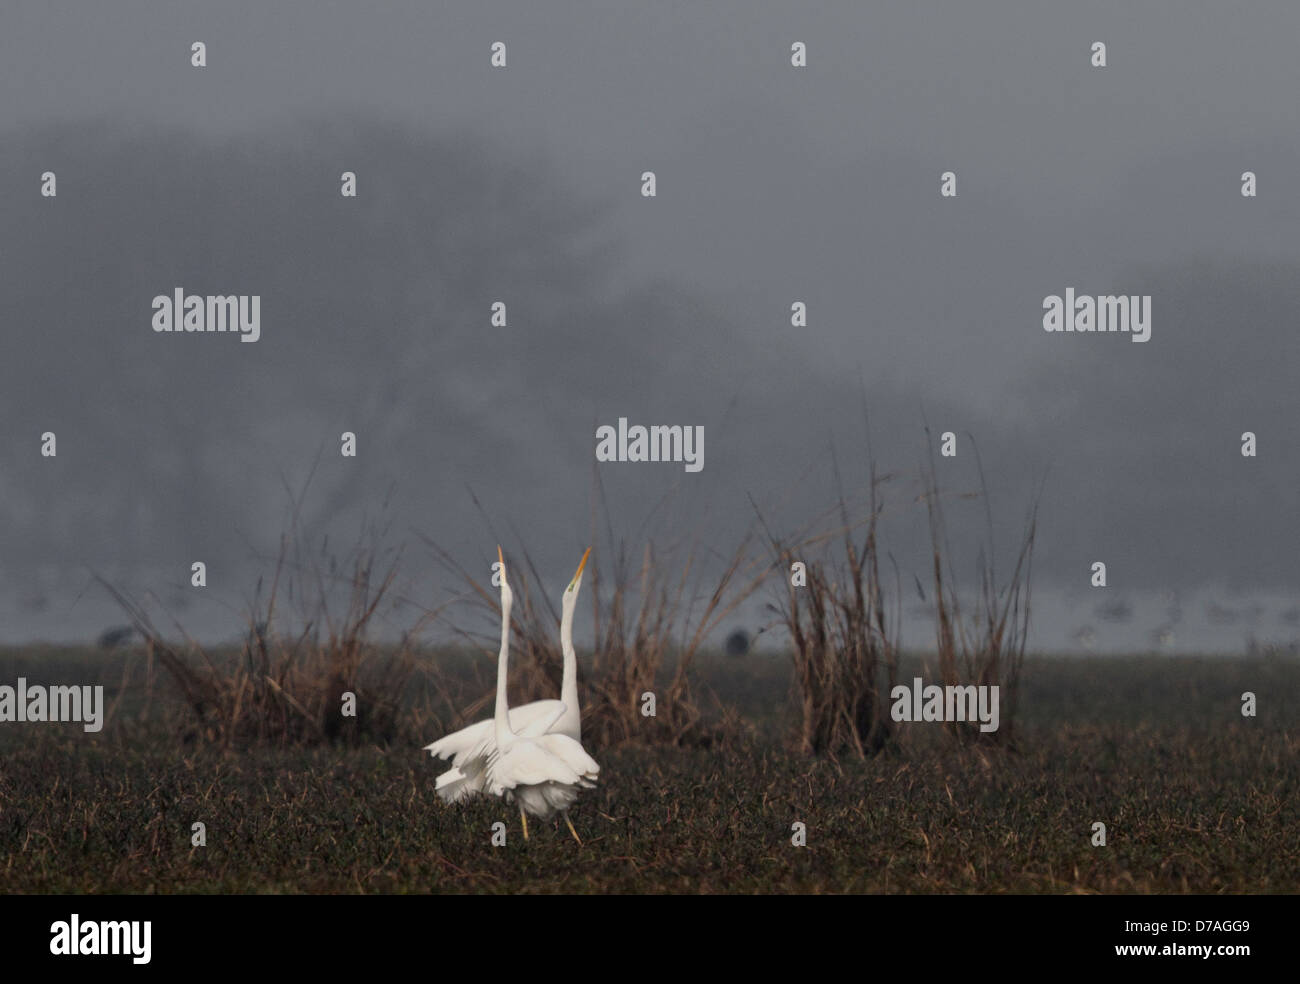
pixel 502 718
pixel 569 683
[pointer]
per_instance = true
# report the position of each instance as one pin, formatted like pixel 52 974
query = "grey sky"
pixel 521 185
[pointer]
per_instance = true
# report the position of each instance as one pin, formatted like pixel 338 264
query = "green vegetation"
pixel 1195 797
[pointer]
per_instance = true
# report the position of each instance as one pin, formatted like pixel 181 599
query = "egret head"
pixel 571 592
pixel 507 597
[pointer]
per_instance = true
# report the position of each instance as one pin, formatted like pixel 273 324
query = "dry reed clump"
pixel 289 687
pixel 845 640
pixel 647 626
pixel 988 647
pixel 845 657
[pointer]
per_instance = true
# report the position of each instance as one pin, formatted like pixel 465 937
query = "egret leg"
pixel 571 830
pixel 524 817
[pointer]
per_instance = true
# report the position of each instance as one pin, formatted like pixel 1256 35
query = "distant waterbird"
pixel 738 643
pixel 116 637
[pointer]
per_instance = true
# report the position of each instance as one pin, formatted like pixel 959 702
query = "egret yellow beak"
pixel 577 574
pixel 500 558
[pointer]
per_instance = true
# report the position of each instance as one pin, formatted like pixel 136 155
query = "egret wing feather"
pixel 549 724
pixel 456 784
pixel 572 754
pixel 478 739
pixel 527 763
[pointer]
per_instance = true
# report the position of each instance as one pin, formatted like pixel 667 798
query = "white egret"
pixel 544 773
pixel 470 747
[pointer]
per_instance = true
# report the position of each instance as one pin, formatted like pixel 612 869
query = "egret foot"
pixel 524 817
pixel 571 830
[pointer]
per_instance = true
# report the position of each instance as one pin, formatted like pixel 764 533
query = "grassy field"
pixel 1195 798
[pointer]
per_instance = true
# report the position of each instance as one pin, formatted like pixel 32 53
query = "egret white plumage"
pixel 544 773
pixel 470 747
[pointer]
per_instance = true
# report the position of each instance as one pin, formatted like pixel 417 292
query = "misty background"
pixel 775 185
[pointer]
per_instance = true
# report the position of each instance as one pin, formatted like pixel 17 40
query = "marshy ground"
pixel 1195 798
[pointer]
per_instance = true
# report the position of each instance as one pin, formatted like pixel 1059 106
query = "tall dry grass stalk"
pixel 986 647
pixel 287 683
pixel 649 625
pixel 845 642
